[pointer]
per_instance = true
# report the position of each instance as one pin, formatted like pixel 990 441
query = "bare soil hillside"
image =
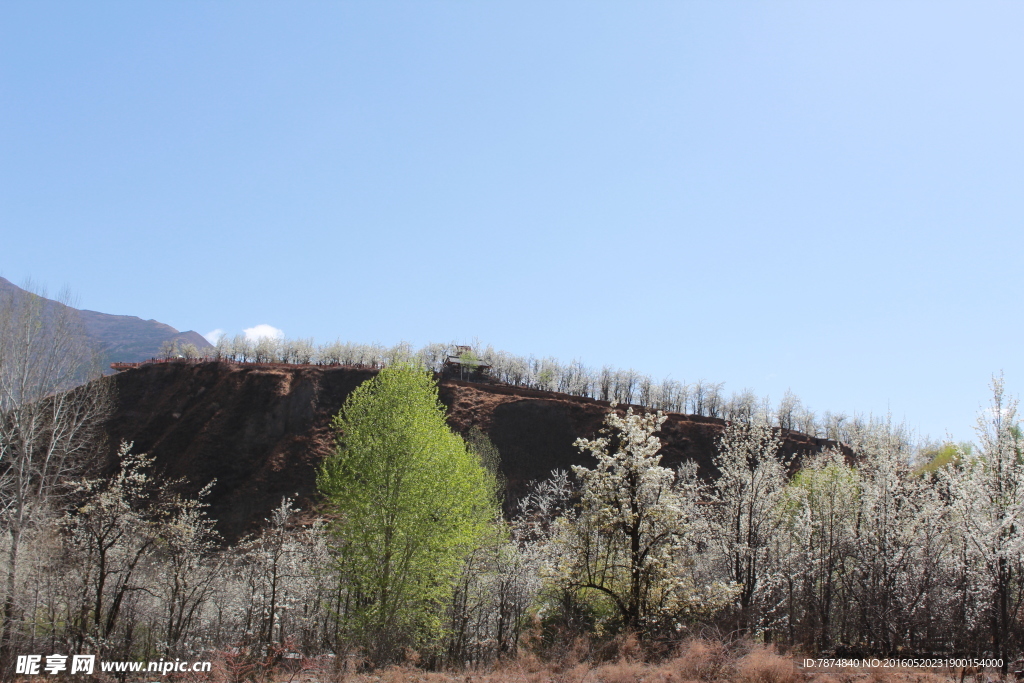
pixel 262 430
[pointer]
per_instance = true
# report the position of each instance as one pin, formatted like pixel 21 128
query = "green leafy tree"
pixel 489 456
pixel 410 502
pixel 469 364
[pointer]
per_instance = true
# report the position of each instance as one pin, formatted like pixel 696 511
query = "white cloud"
pixel 214 336
pixel 992 413
pixel 262 331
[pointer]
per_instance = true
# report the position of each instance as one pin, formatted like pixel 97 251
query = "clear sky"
pixel 822 196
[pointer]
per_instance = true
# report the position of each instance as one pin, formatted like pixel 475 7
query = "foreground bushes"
pixel 876 554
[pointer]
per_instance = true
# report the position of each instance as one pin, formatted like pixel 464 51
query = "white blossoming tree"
pixel 986 493
pixel 818 511
pixel 745 518
pixel 628 542
pixel 900 548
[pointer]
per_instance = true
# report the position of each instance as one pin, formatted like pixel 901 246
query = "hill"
pixel 261 430
pixel 120 337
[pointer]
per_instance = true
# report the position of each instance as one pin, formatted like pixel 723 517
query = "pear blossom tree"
pixel 186 565
pixel 819 511
pixel 750 484
pixel 636 523
pixel 899 546
pixel 112 533
pixel 986 493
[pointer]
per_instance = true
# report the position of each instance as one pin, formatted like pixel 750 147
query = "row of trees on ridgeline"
pixel 891 550
pixel 625 387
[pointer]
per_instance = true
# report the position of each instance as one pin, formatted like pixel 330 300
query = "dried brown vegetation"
pixel 693 661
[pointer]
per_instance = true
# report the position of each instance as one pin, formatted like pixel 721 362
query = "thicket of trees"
pixel 883 553
pixel 877 554
pixel 47 432
pixel 892 550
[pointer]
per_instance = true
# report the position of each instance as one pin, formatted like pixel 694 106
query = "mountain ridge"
pixel 126 338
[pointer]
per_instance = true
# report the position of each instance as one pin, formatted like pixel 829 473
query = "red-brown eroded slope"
pixel 261 430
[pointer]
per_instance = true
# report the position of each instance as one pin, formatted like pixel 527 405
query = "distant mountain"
pixel 125 338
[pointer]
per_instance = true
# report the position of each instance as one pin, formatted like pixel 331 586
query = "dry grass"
pixel 621 672
pixel 578 661
pixel 701 660
pixel 762 665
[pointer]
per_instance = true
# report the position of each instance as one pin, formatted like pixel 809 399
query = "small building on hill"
pixel 465 365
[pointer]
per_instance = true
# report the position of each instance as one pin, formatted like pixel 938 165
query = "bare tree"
pixel 47 427
pixel 787 411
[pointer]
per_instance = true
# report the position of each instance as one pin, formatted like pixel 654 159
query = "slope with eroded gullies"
pixel 262 430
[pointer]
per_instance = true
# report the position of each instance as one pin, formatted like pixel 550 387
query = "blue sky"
pixel 825 197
